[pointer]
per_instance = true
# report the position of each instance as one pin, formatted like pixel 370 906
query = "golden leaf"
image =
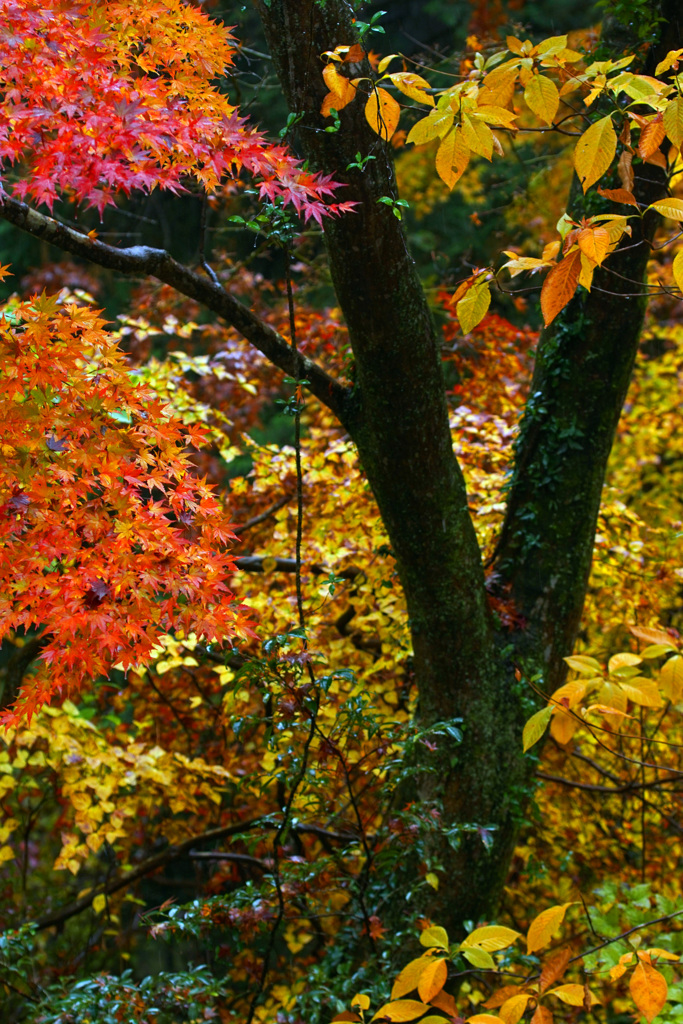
pixel 649 990
pixel 410 975
pixel 543 927
pixel 452 157
pixel 594 153
pixel 382 113
pixel 542 98
pixel 472 309
pixel 560 285
pixel 432 979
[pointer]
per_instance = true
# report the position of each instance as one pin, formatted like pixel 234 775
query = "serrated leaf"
pixel 560 285
pixel 649 990
pixel 432 979
pixel 382 113
pixel 543 927
pixel 542 97
pixel 473 307
pixel 434 937
pixel 535 727
pixel 594 152
pixel 491 937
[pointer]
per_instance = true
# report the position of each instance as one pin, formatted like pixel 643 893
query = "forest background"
pixel 272 827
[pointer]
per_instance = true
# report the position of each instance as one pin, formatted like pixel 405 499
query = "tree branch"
pixel 144 261
pixel 146 867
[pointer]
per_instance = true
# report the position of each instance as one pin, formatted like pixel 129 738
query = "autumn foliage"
pixel 211 733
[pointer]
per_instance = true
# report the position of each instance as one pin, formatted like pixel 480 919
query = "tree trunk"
pixel 399 422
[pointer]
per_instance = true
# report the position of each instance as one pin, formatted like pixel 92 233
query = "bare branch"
pixel 141 260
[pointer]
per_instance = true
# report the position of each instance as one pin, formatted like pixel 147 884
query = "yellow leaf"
pixel 413 86
pixel 678 269
pixel 501 996
pixel 656 950
pixel 433 126
pixel 434 937
pixel 340 87
pixel 472 309
pixel 479 958
pixel 543 927
pixel 536 726
pixel 6 853
pixel 649 990
pixel 410 975
pixel 99 903
pixel 542 97
pixel 673 121
pixel 594 243
pixel 594 152
pixel 402 1009
pixel 573 995
pixel 670 208
pixel 513 1008
pixel 499 85
pixel 385 62
pixel 483 1018
pixel 452 157
pixel 432 879
pixel 588 268
pixel 496 115
pixel 361 1001
pixel 382 113
pixel 671 58
pixel 477 136
pixel 671 678
pixel 642 691
pixel 560 285
pixel 491 937
pixel 624 658
pixel 432 980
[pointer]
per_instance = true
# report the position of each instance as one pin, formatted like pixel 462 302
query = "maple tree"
pixel 445 615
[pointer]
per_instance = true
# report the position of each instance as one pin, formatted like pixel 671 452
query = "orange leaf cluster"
pixel 107 539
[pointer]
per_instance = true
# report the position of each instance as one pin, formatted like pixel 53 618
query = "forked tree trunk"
pixel 399 422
